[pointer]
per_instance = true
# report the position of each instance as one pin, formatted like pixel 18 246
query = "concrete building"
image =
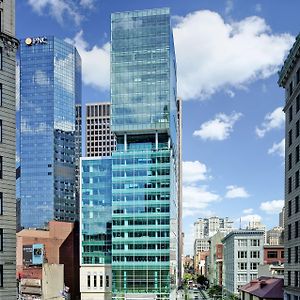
pixel 99 140
pixel 50 87
pixel 207 227
pixel 289 79
pixel 200 263
pixel 8 47
pixel 145 186
pixel 56 246
pixel 96 229
pixel 281 218
pixel 275 236
pixel 243 253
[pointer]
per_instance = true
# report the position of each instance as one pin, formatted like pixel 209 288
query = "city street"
pixel 191 295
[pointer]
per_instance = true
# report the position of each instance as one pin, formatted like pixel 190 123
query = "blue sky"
pixel 228 55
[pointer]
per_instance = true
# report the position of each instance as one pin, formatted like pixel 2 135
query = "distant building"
pixel 243 253
pixel 99 140
pixel 265 288
pixel 57 246
pixel 275 236
pixel 200 262
pixel 289 79
pixel 281 217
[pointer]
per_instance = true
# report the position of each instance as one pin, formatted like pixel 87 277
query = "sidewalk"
pixel 205 295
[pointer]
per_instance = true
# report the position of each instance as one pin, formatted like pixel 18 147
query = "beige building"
pixel 99 140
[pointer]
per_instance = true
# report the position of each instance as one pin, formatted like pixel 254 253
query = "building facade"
pixel 289 79
pixel 50 86
pixel 78 151
pixel 95 229
pixel 145 164
pixel 243 253
pixel 100 141
pixel 275 236
pixel 8 48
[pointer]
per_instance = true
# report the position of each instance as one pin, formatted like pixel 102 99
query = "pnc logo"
pixel 34 41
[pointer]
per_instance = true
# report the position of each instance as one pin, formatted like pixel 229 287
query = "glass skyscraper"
pixel 50 86
pixel 95 228
pixel 145 187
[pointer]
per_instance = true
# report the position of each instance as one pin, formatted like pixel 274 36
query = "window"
pixel 289 255
pixel 290 113
pixel 1 58
pixel 291 88
pixel 290 137
pixel 298 76
pixel 290 161
pixel 297 103
pixel 296 204
pixel 1 94
pixel 242 254
pixel 290 208
pixel 1 275
pixel 0 131
pixel 296 278
pixel 107 281
pixel 242 266
pixel 1 239
pixel 290 185
pixel 1 167
pixel 1 203
pixel 296 254
pixel 254 242
pixel 95 280
pixel 253 266
pixel 297 179
pixel 297 158
pixel 272 254
pixel 297 128
pixel 289 231
pixel 296 229
pixel 242 277
pixel 254 254
pixel 101 281
pixel 89 281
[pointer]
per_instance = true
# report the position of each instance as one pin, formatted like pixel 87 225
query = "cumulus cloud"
pixel 219 128
pixel 95 62
pixel 273 120
pixel 193 171
pixel 58 9
pixel 272 207
pixel 278 148
pixel 225 55
pixel 236 192
pixel 196 199
pixel 87 3
pixel 248 211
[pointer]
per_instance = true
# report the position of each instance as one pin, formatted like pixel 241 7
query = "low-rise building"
pixel 263 288
pixel 243 253
pixel 273 254
pixel 275 236
pixel 200 262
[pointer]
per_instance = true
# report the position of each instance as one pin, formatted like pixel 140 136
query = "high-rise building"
pixel 95 229
pixel 243 252
pixel 99 141
pixel 8 47
pixel 207 227
pixel 275 236
pixel 78 152
pixel 289 79
pixel 50 86
pixel 281 218
pixel 145 165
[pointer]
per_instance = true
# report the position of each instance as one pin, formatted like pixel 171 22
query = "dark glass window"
pixel 297 128
pixel 289 231
pixel 1 275
pixel 290 137
pixel 298 76
pixel 297 154
pixel 89 281
pixel 290 161
pixel 101 281
pixel 296 254
pixel 296 204
pixel 272 254
pixel 291 113
pixel 1 58
pixel 291 88
pixel 290 185
pixel 107 281
pixel 1 239
pixel 289 208
pixel 296 278
pixel 1 94
pixel 297 179
pixel 95 280
pixel 296 229
pixel 297 103
pixel 1 203
pixel 289 255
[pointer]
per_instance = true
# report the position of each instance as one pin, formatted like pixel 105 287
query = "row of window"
pixel 97 281
pixel 294 83
pixel 141 258
pixel 290 158
pixel 296 255
pixel 296 278
pixel 244 266
pixel 274 254
pixel 296 235
pixel 296 205
pixel 98 110
pixel 244 242
pixel 297 182
pixel 244 254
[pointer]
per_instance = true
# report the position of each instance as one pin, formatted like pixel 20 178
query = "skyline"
pixel 211 122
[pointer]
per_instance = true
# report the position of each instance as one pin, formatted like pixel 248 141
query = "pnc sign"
pixel 34 41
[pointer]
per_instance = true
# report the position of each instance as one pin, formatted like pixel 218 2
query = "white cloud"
pixel 245 220
pixel 219 128
pixel 278 148
pixel 225 55
pixel 236 192
pixel 229 7
pixel 273 120
pixel 58 9
pixel 87 3
pixel 258 7
pixel 196 200
pixel 230 93
pixel 95 62
pixel 272 207
pixel 193 171
pixel 248 211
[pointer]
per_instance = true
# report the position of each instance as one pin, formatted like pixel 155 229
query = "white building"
pixel 243 253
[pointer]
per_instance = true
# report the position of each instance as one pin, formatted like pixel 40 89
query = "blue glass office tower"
pixel 145 185
pixel 50 86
